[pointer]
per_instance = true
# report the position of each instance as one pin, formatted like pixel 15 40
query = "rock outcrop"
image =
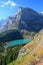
pixel 24 19
pixel 32 53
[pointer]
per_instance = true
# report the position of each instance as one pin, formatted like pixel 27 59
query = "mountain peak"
pixel 26 9
pixel 26 19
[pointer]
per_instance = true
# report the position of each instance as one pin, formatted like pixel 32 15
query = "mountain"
pixel 31 53
pixel 24 19
pixel 2 24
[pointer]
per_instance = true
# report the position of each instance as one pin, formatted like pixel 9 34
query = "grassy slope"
pixel 34 54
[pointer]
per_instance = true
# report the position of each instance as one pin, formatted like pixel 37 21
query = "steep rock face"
pixel 30 20
pixel 36 46
pixel 26 19
pixel 32 53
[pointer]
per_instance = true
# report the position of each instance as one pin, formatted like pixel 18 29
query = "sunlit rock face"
pixel 26 19
pixel 32 52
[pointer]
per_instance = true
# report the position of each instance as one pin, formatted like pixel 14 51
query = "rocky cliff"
pixel 24 19
pixel 31 53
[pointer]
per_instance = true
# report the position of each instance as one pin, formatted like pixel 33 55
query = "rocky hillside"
pixel 24 19
pixel 31 53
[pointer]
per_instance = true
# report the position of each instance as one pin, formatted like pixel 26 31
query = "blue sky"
pixel 9 7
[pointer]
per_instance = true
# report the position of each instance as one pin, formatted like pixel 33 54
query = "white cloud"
pixel 41 12
pixel 8 3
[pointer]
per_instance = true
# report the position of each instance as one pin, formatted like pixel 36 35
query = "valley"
pixel 21 38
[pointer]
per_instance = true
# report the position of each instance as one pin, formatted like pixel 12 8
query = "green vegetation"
pixel 10 35
pixel 9 55
pixel 27 34
pixel 31 53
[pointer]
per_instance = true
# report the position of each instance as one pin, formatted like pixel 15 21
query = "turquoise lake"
pixel 18 42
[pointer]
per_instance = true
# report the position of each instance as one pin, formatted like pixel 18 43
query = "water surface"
pixel 18 42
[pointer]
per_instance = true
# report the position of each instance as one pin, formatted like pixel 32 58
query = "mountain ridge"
pixel 26 19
